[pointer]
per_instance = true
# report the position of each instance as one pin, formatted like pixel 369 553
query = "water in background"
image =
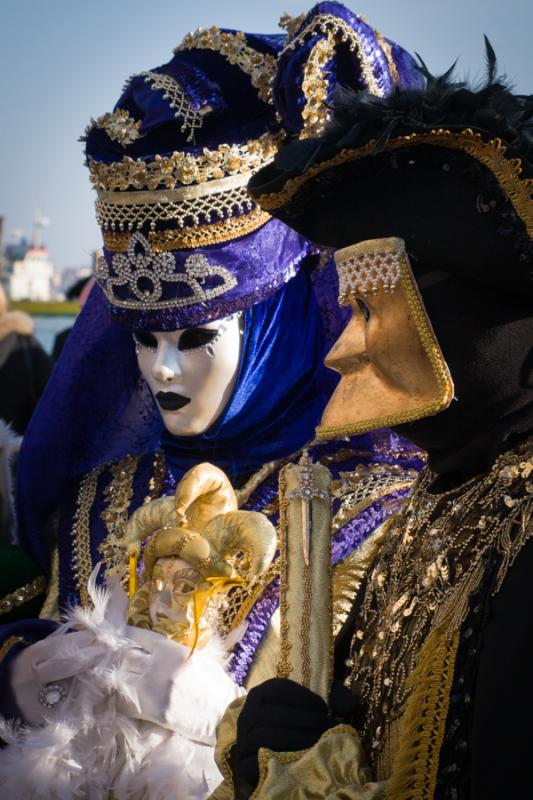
pixel 46 329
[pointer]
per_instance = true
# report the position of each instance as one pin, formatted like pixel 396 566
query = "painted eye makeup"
pixel 195 338
pixel 145 339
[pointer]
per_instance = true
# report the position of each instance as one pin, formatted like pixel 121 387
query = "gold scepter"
pixel 306 639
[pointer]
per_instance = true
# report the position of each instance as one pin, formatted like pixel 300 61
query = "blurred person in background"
pixel 24 367
pixel 79 291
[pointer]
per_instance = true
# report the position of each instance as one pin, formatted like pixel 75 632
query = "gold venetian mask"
pixel 391 366
pixel 200 546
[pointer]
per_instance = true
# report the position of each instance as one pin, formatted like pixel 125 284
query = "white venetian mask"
pixel 191 372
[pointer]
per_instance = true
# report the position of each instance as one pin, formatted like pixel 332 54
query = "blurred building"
pixel 33 277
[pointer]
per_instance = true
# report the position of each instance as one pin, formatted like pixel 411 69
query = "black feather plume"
pixel 443 103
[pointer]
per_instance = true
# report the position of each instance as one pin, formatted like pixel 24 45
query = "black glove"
pixel 285 717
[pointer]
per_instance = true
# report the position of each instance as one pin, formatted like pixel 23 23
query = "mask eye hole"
pixel 195 338
pixel 145 339
pixel 183 587
pixel 363 308
pixel 158 584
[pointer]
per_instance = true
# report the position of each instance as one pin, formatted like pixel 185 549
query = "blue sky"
pixel 63 61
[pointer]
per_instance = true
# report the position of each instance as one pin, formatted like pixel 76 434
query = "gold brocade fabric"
pixel 436 554
pixel 334 769
pixel 331 770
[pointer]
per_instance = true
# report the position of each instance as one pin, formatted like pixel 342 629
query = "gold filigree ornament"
pixel 182 168
pixel 394 377
pixel 261 67
pixel 119 126
pixel 315 113
pixel 144 272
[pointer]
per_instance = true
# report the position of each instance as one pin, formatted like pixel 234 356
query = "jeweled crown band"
pixel 368 267
pixel 141 279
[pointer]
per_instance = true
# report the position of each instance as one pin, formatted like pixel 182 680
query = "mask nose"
pixel 166 367
pixel 349 354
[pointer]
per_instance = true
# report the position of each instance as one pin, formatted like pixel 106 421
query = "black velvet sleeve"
pixel 501 739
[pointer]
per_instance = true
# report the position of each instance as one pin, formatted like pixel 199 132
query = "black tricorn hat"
pixel 447 168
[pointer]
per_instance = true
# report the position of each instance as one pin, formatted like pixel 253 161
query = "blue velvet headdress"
pixel 184 243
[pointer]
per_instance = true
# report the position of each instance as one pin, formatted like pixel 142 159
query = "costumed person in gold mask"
pixel 427 193
pixel 189 564
pixel 202 340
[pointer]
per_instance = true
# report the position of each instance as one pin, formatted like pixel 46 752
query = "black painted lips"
pixel 171 401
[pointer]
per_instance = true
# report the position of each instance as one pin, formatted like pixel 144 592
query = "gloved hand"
pixel 161 682
pixel 152 678
pixel 51 660
pixel 281 715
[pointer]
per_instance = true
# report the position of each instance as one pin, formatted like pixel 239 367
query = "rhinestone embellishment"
pixel 51 694
pixel 144 272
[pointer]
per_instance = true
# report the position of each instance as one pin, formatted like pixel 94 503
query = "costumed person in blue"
pixel 427 195
pixel 204 338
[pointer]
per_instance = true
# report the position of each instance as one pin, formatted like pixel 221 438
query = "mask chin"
pixel 391 365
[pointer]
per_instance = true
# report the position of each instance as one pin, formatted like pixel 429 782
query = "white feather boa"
pixel 90 745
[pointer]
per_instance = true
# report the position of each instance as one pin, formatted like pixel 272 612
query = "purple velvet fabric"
pixel 381 447
pixel 259 263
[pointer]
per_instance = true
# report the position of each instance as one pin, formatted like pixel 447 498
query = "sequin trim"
pixel 22 595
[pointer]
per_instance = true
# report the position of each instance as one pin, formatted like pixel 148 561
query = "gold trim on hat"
pixel 492 154
pixel 343 31
pixel 118 213
pixel 260 67
pixel 182 168
pixel 194 236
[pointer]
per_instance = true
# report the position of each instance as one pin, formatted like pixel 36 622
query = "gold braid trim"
pixel 349 573
pixel 340 30
pixel 226 740
pixel 387 51
pixel 9 644
pixel 181 168
pixel 195 236
pixel 423 724
pixel 492 154
pixel 117 498
pixel 81 536
pixel 284 663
